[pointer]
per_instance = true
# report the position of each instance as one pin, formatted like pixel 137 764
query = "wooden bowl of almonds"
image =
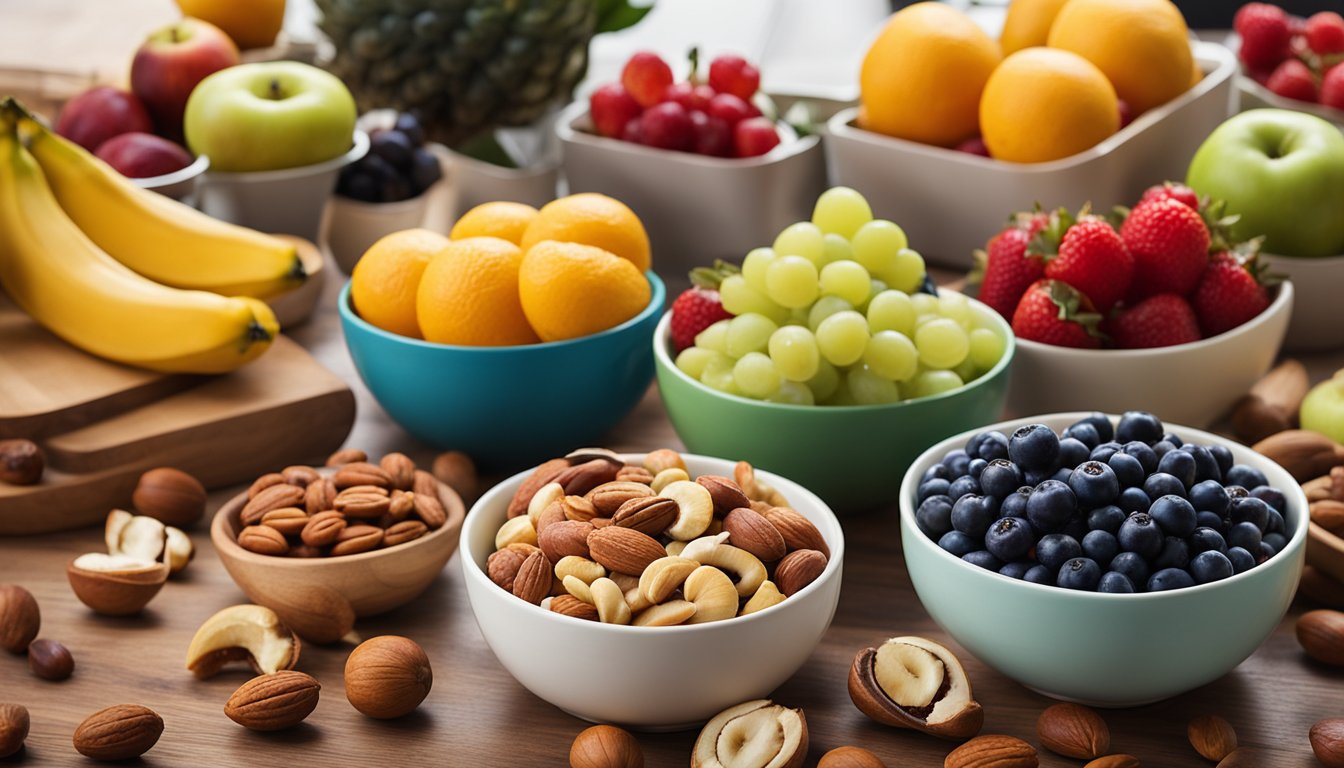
pixel 355 539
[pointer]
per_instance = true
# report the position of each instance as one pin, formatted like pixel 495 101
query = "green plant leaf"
pixel 615 15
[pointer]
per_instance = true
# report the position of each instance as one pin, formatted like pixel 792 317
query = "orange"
pixel 469 295
pixel 571 290
pixel 921 78
pixel 250 23
pixel 1143 46
pixel 506 221
pixel 384 282
pixel 1028 24
pixel 595 220
pixel 1044 104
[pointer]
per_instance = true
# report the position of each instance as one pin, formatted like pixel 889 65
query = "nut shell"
pixel 605 746
pixel 13 728
pixel 961 717
pixel 50 660
pixel 119 732
pixel 20 618
pixel 170 496
pixel 387 676
pixel 273 702
pixel 1073 730
pixel 1327 741
pixel 117 593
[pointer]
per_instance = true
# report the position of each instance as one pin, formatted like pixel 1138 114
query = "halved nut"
pixel 713 593
pixel 178 549
pixel 664 576
pixel 766 595
pixel 610 602
pixel 115 585
pixel 636 599
pixel 695 509
pixel 251 633
pixel 754 734
pixel 581 568
pixel 579 588
pixel 142 537
pixel 543 498
pixel 515 530
pixel 668 614
pixel 913 682
pixel 116 520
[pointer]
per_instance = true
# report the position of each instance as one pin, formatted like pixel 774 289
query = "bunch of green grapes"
pixel 830 315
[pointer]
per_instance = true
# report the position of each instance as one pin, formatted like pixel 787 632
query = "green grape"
pixel 824 308
pixel 693 360
pixel 955 306
pixel 841 211
pixel 756 375
pixel 846 279
pixel 842 395
pixel 792 393
pixel 714 338
pixel 823 385
pixel 905 272
pixel 837 249
pixel 802 239
pixel 791 281
pixel 754 266
pixel 794 350
pixel 891 354
pixel 986 348
pixel 876 245
pixel 869 388
pixel 748 333
pixel 842 337
pixel 739 298
pixel 933 382
pixel 966 370
pixel 942 343
pixel 925 304
pixel 891 311
pixel 718 374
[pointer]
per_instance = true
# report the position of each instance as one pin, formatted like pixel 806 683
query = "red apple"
pixel 100 113
pixel 170 63
pixel 142 155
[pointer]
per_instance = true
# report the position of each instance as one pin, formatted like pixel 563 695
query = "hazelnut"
pixel 1327 741
pixel 19 618
pixel 913 682
pixel 456 470
pixel 13 728
pixel 50 660
pixel 387 677
pixel 21 462
pixel 605 746
pixel 170 496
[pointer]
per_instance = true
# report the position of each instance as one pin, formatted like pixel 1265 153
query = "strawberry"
pixel 1325 33
pixel 1053 313
pixel 1293 80
pixel 1158 321
pixel 1170 245
pixel 1265 35
pixel 1229 293
pixel 1173 190
pixel 1006 270
pixel 1332 87
pixel 699 306
pixel 1093 259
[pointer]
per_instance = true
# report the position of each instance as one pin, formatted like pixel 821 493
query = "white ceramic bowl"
pixel 653 678
pixel 1318 320
pixel 1188 383
pixel 181 184
pixel 1105 649
pixel 950 202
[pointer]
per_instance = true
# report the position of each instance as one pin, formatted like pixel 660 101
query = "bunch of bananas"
pixel 123 272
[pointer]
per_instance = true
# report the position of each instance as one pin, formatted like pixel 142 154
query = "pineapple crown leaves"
pixel 615 15
pixel 1074 307
pixel 709 278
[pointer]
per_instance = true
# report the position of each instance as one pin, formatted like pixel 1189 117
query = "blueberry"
pixel 1245 476
pixel 1210 520
pixel 1133 500
pixel 1000 478
pixel 1271 496
pixel 1210 565
pixel 976 468
pixel 1223 456
pixel 1144 453
pixel 1094 484
pixel 1170 578
pixel 1171 437
pixel 1242 559
pixel 990 446
pixel 1206 539
pixel 409 125
pixel 1076 528
pixel 1055 548
pixel 1205 467
pixel 1132 565
pixel 394 147
pixel 1236 491
pixel 1072 452
pixel 1080 573
pixel 935 487
pixel 958 543
pixel 1104 451
pixel 957 461
pixel 1179 465
pixel 1050 505
pixel 1249 510
pixel 1062 474
pixel 1267 551
pixel 1141 534
pixel 1276 524
pixel 1084 432
pixel 1034 477
pixel 1161 484
pixel 1127 470
pixel 1009 538
pixel 983 559
pixel 1210 496
pixel 1175 554
pixel 1101 546
pixel 1107 518
pixel 1099 422
pixel 1114 582
pixel 961 486
pixel 1276 540
pixel 1175 515
pixel 1138 425
pixel 934 516
pixel 938 472
pixel 1162 448
pixel 972 514
pixel 425 170
pixel 1015 503
pixel 1034 446
pixel 1039 574
pixel 1017 569
pixel 1244 535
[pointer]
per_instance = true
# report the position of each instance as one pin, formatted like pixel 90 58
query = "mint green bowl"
pixel 1106 650
pixel 851 456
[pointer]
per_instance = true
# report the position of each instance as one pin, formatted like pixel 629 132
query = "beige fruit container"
pixel 950 202
pixel 1317 322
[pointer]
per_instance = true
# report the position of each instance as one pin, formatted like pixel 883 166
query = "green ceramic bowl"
pixel 851 456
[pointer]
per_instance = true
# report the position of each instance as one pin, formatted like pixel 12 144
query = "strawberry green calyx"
pixel 1074 307
pixel 1046 242
pixel 709 278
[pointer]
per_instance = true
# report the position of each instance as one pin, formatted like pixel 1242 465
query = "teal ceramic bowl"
pixel 851 456
pixel 1106 650
pixel 507 407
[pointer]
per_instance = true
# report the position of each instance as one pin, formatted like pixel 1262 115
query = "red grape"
pixel 735 75
pixel 713 136
pixel 612 107
pixel 666 126
pixel 691 97
pixel 646 76
pixel 633 131
pixel 754 136
pixel 731 109
pixel 974 146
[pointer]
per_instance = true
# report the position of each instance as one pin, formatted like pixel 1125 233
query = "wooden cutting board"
pixel 102 424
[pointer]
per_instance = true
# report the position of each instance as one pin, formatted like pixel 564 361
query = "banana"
pixel 56 274
pixel 162 239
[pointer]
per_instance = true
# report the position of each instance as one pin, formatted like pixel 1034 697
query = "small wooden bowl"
pixel 372 582
pixel 1325 551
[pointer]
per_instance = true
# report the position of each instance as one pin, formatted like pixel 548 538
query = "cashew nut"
pixel 667 477
pixel 610 602
pixel 581 568
pixel 664 576
pixel 667 614
pixel 675 548
pixel 713 593
pixel 748 568
pixel 515 530
pixel 543 498
pixel 579 588
pixel 694 549
pixel 766 595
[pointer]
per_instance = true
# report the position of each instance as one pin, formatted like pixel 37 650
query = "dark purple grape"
pixel 409 126
pixel 394 147
pixel 425 170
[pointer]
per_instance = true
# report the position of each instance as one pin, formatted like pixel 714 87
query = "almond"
pixel 357 538
pixel 273 702
pixel 533 581
pixel 406 530
pixel 608 497
pixel 1073 730
pixel 1321 634
pixel 582 478
pixel 992 751
pixel 649 514
pixel 289 521
pixel 346 456
pixel 270 497
pixel 361 473
pixel 300 475
pixel 623 550
pixel 570 605
pixel 1212 737
pixel 1327 741
pixel 320 496
pixel 502 566
pixel 748 529
pixel 323 528
pixel 1114 761
pixel 543 474
pixel 726 494
pixel 798 569
pixel 264 482
pixel 567 537
pixel 400 469
pixel 798 532
pixel 263 540
pixel 120 732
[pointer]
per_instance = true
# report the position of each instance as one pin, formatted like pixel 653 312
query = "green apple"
pixel 1283 173
pixel 1323 408
pixel 269 115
